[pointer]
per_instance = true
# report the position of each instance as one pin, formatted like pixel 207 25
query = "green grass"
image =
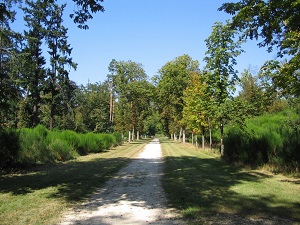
pixel 202 186
pixel 42 195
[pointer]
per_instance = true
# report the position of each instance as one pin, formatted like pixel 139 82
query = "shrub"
pixel 266 139
pixel 61 150
pixel 90 143
pixel 108 140
pixel 9 150
pixel 118 138
pixel 33 146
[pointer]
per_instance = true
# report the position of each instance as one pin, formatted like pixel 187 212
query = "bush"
pixel 266 140
pixel 9 150
pixel 33 146
pixel 118 138
pixel 61 150
pixel 39 145
pixel 108 140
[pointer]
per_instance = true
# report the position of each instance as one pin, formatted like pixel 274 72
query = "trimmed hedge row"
pixel 39 145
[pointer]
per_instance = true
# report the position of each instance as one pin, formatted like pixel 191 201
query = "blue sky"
pixel 151 32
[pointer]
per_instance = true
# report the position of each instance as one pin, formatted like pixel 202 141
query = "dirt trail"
pixel 133 196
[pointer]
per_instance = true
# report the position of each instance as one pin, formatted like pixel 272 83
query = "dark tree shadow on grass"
pixel 205 188
pixel 75 180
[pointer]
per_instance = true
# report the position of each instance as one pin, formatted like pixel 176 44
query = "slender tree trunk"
pixel 183 135
pixel 222 136
pixel 210 139
pixel 196 141
pixel 180 134
pixel 137 135
pixel 192 138
pixel 203 139
pixel 132 133
pixel 129 136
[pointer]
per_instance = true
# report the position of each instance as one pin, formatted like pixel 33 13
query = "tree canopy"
pixel 275 23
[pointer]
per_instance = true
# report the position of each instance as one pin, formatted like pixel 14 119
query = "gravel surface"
pixel 134 196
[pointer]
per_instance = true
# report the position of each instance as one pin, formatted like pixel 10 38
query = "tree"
pixel 93 108
pixel 83 10
pixel 9 67
pixel 128 81
pixel 195 107
pixel 220 58
pixel 59 51
pixel 276 24
pixel 173 80
pixel 252 93
pixel 34 72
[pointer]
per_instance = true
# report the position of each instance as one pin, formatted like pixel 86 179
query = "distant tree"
pixel 127 78
pixel 276 24
pixel 93 108
pixel 221 52
pixel 196 107
pixel 174 77
pixel 252 93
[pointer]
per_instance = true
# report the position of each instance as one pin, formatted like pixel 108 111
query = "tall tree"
pixel 9 67
pixel 221 52
pixel 127 77
pixel 251 92
pixel 82 12
pixel 59 51
pixel 35 73
pixel 276 24
pixel 196 106
pixel 173 79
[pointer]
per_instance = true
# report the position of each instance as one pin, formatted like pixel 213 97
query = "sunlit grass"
pixel 202 186
pixel 40 196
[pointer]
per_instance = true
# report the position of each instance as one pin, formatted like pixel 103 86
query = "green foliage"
pixel 39 145
pixel 33 146
pixel 275 24
pixel 118 138
pixel 174 78
pixel 9 150
pixel 266 139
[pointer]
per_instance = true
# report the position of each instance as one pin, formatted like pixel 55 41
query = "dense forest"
pixel 252 117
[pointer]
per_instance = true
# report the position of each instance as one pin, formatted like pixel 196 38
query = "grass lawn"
pixel 42 195
pixel 204 188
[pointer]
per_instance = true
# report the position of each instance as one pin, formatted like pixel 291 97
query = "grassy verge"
pixel 40 196
pixel 206 189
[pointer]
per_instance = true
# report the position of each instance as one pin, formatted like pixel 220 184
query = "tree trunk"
pixel 192 138
pixel 196 141
pixel 210 139
pixel 137 135
pixel 203 146
pixel 222 136
pixel 180 134
pixel 129 136
pixel 132 138
pixel 183 135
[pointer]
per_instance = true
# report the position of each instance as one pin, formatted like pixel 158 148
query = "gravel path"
pixel 133 196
